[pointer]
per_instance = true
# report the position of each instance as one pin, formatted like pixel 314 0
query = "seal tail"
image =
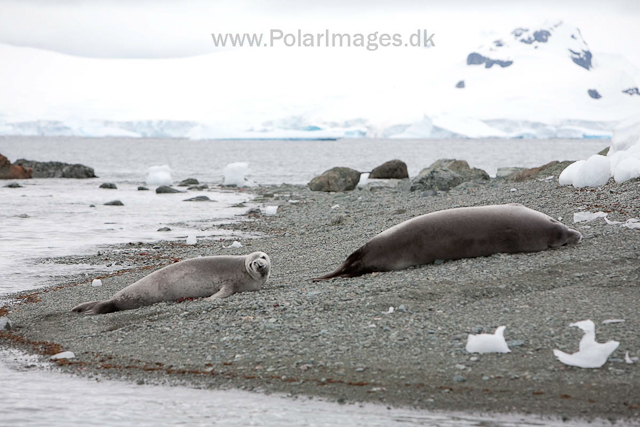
pixel 352 267
pixel 96 307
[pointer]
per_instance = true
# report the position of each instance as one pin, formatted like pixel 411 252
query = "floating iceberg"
pixel 591 354
pixel 159 175
pixel 488 343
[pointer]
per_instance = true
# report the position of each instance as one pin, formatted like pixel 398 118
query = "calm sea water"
pixel 53 217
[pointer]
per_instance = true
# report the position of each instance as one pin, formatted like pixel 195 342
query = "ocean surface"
pixel 54 217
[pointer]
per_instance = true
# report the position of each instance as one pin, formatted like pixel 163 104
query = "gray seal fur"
pixel 215 277
pixel 454 234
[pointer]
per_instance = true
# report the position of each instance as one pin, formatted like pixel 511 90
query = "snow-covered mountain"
pixel 538 82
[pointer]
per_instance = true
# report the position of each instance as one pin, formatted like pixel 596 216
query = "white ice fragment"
pixel 335 206
pixel 364 178
pixel 271 210
pixel 595 172
pixel 294 202
pixel 234 175
pixel 627 169
pixel 63 355
pixel 628 359
pixel 159 175
pixel 608 221
pixel 488 343
pixel 513 190
pixel 633 223
pixel 606 322
pixel 235 244
pixel 587 216
pixel 391 310
pixel 568 175
pixel 591 354
pixel 191 240
pixel 96 282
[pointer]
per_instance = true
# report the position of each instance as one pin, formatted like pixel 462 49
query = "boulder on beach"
pixel 189 181
pixel 393 169
pixel 15 171
pixel 336 179
pixel 109 186
pixel 445 174
pixel 164 189
pixel 114 203
pixel 57 169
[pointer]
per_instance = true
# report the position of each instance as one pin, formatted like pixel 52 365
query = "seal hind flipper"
pixel 352 267
pixel 96 307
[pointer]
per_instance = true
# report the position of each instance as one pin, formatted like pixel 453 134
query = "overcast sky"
pixel 162 28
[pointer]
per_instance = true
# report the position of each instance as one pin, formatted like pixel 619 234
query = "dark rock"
pixel 393 169
pixel 505 172
pixel 13 185
pixel 459 379
pixel 198 187
pixel 594 94
pixel 15 171
pixel 604 152
pixel 460 84
pixel 253 211
pixel 477 59
pixel 141 188
pixel 582 58
pixel 538 36
pixel 632 91
pixel 109 186
pixel 164 229
pixel 164 189
pixel 57 169
pixel 336 179
pixel 114 203
pixel 444 174
pixel 199 199
pixel 189 181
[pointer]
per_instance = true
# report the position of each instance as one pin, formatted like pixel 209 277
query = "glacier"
pixel 532 82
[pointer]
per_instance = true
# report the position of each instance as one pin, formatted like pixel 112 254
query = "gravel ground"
pixel 331 339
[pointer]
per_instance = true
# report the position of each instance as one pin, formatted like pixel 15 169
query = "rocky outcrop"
pixel 336 179
pixel 553 168
pixel 9 171
pixel 57 169
pixel 446 174
pixel 393 169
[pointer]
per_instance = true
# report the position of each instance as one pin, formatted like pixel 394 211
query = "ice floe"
pixel 591 354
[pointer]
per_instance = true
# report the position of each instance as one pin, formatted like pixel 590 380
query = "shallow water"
pixel 32 394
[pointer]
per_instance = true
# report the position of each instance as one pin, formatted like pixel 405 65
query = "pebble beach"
pixel 338 341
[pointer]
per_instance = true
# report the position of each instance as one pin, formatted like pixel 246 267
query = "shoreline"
pixel 317 339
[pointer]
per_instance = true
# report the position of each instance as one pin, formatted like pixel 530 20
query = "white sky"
pixel 162 28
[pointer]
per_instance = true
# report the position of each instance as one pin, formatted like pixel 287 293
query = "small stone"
pixel 402 308
pixel 114 203
pixel 461 367
pixel 92 206
pixel 13 185
pixel 141 188
pixel 164 229
pixel 140 382
pixel 199 199
pixel 164 189
pixel 515 343
pixel 459 379
pixel 485 378
pixel 109 186
pixel 438 261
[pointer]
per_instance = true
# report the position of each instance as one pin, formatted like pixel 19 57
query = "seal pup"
pixel 215 277
pixel 455 234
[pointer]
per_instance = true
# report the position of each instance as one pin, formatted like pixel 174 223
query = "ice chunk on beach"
pixel 488 343
pixel 271 210
pixel 624 153
pixel 568 175
pixel 235 244
pixel 588 216
pixel 159 175
pixel 591 354
pixel 63 355
pixel 96 282
pixel 595 172
pixel 364 178
pixel 191 239
pixel 627 169
pixel 628 359
pixel 234 175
